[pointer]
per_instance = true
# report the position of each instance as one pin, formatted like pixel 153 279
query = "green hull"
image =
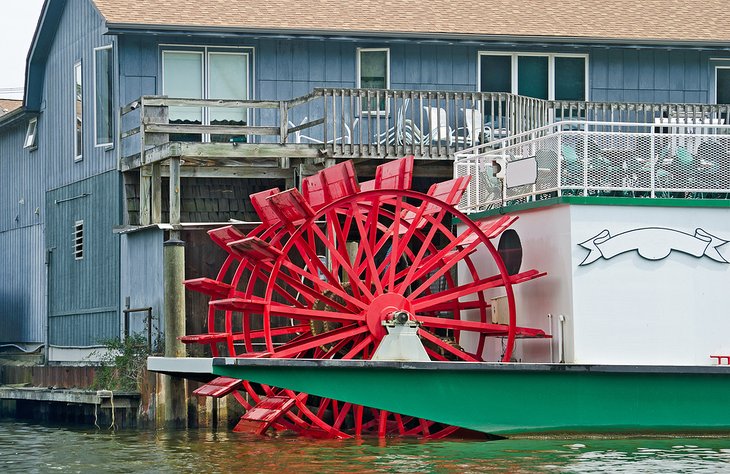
pixel 513 398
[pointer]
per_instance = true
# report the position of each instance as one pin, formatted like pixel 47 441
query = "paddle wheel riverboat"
pixel 569 278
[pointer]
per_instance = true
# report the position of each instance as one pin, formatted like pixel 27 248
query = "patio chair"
pixel 404 131
pixel 439 123
pixel 299 137
pixel 474 132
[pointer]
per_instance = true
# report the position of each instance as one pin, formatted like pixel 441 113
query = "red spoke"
pixel 358 420
pixel 308 314
pixel 342 416
pixel 435 355
pixel 281 331
pixel 438 260
pixel 425 245
pixel 353 277
pixel 445 266
pixel 399 423
pixel 359 347
pixel 424 303
pixel 291 349
pixel 325 285
pixel 372 275
pixel 394 253
pixel 462 325
pixel 446 346
pixel 382 423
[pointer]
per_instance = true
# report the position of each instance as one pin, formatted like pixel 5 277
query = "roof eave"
pixel 14 116
pixel 37 54
pixel 138 28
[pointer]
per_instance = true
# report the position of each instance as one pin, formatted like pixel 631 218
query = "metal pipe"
pixel 147 310
pixel 561 339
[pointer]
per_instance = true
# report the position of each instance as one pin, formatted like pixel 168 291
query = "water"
pixel 32 448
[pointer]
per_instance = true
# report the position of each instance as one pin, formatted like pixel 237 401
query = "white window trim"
pixel 204 52
pixel 111 91
pixel 551 69
pixel 78 245
pixel 714 86
pixel 358 78
pixel 33 137
pixel 78 154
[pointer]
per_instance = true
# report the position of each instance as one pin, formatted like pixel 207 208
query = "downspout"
pixel 47 335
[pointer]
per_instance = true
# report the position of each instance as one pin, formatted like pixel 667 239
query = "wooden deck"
pixel 285 139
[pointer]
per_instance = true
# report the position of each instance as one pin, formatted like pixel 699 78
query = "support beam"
pixel 156 191
pixel 174 191
pixel 220 152
pixel 145 193
pixel 174 391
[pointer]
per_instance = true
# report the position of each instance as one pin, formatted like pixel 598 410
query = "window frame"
pixel 33 145
pixel 358 77
pixel 110 144
pixel 249 52
pixel 78 142
pixel 716 68
pixel 78 240
pixel 514 71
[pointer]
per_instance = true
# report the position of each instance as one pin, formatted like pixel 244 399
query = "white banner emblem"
pixel 653 243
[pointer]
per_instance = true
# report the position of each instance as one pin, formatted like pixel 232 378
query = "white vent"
pixel 78 240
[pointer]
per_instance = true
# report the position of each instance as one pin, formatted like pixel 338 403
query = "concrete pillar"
pixel 173 394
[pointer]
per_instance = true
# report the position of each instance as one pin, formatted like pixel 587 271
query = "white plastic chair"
pixel 476 131
pixel 439 123
pixel 299 137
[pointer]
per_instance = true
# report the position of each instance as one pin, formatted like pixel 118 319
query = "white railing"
pixel 690 159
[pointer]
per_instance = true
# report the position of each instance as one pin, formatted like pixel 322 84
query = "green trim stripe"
pixel 603 201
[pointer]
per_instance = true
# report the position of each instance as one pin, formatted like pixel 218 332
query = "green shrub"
pixel 123 364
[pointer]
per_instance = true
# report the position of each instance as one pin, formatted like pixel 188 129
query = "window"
pixel 78 112
pixel 206 75
pixel 544 76
pixel 373 72
pixel 31 134
pixel 103 81
pixel 722 85
pixel 78 242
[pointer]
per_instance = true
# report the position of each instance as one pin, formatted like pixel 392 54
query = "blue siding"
pixel 651 75
pixel 141 276
pixel 84 294
pixel 79 32
pixel 286 68
pixel 22 297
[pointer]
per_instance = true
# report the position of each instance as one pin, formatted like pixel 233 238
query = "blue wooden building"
pixel 220 99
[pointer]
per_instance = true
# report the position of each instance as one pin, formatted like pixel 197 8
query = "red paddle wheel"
pixel 329 266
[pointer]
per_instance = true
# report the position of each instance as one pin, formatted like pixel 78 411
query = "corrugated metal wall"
pixel 141 282
pixel 22 293
pixel 84 294
pixel 79 32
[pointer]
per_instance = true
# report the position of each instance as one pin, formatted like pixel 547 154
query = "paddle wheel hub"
pixel 383 308
pixel 330 267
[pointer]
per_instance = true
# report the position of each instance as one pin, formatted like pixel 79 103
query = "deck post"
pixel 174 390
pixel 145 187
pixel 173 397
pixel 156 192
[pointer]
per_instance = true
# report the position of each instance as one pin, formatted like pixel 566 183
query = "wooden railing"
pixel 370 123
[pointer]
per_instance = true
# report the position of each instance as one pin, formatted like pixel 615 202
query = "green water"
pixel 33 448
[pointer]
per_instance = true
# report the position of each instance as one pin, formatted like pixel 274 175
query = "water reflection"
pixel 33 448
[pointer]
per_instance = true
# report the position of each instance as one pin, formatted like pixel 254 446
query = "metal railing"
pixel 662 159
pixel 378 123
